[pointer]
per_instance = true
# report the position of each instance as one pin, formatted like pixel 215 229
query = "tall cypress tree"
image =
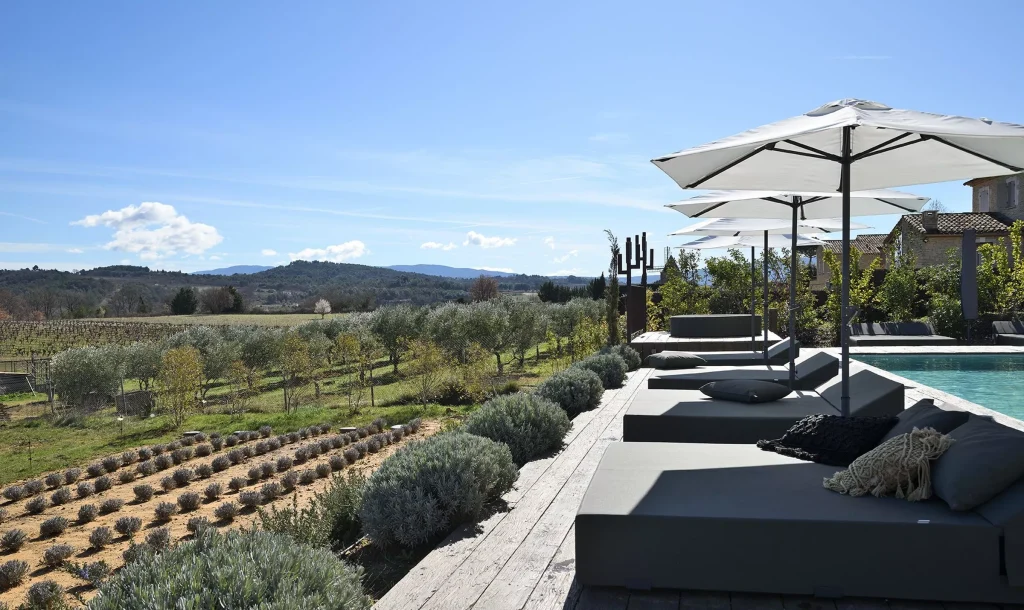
pixel 612 292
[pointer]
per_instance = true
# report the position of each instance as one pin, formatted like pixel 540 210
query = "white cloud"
pixel 477 239
pixel 566 256
pixel 550 242
pixel 336 254
pixel 574 271
pixel 501 269
pixel 75 251
pixel 268 252
pixel 435 245
pixel 153 230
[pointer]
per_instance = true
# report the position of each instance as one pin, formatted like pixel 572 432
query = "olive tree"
pixel 83 371
pixel 181 377
pixel 490 328
pixel 216 352
pixel 449 327
pixel 258 350
pixel 143 361
pixel 527 326
pixel 294 362
pixel 395 326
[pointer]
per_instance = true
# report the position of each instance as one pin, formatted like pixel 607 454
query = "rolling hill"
pixel 446 271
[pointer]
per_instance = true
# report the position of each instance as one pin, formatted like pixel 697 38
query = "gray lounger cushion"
pixel 811 372
pixel 778 353
pixel 925 414
pixel 745 390
pixel 734 518
pixel 984 460
pixel 670 360
pixel 688 416
pixel 1008 327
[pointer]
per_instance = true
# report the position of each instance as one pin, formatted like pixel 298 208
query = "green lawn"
pixel 269 319
pixel 30 444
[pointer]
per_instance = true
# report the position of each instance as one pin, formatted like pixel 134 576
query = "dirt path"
pixel 77 534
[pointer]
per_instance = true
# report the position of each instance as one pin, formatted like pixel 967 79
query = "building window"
pixel 1011 192
pixel 983 195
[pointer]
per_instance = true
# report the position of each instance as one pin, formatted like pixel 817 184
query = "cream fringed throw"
pixel 898 467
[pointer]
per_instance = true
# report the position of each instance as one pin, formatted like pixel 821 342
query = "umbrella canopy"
pixel 811 204
pixel 709 242
pixel 843 147
pixel 758 226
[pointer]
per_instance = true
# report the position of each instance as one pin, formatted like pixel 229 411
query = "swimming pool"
pixel 995 381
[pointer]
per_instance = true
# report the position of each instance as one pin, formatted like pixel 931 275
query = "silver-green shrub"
pixel 574 389
pixel 611 368
pixel 235 570
pixel 627 353
pixel 427 488
pixel 529 424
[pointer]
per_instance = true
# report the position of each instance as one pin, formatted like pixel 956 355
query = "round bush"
pixel 45 594
pixel 146 468
pixel 129 457
pixel 127 526
pixel 237 483
pixel 72 474
pixel 56 555
pixel 204 471
pixel 158 449
pixel 629 355
pixel 220 463
pixel 574 389
pixel 111 463
pixel 183 476
pixel 261 447
pixel 143 493
pixel 529 424
pixel 610 368
pixel 103 483
pixel 284 463
pixel 165 510
pixel 274 444
pixel 255 474
pixel 95 470
pixel 163 461
pixel 203 450
pixel 226 511
pixel 217 442
pixel 427 488
pixel 187 441
pixel 85 489
pixel 36 505
pixel 250 499
pixel 247 452
pixel 271 490
pixel 323 470
pixel 266 431
pixel 213 491
pixel 351 455
pixel 336 462
pixel 54 480
pixel 197 524
pixel 159 538
pixel 61 496
pixel 13 540
pixel 126 476
pixel 189 501
pixel 168 484
pixel 87 513
pixel 301 455
pixel 236 570
pixel 54 526
pixel 290 480
pixel 111 505
pixel 362 448
pixel 308 476
pixel 236 456
pixel 12 573
pixel 34 486
pixel 145 453
pixel 101 537
pixel 268 469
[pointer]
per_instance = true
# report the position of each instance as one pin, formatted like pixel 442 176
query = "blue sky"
pixel 467 134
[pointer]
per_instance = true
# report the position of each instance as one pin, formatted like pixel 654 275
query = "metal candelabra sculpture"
pixel 637 257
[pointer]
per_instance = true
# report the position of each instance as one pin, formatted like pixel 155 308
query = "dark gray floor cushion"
pixel 830 439
pixel 925 414
pixel 674 360
pixel 900 467
pixel 870 394
pixel 745 390
pixel 986 458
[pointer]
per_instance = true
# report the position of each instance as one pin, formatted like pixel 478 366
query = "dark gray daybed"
pixel 688 416
pixel 778 353
pixel 1009 332
pixel 735 518
pixel 896 333
pixel 811 372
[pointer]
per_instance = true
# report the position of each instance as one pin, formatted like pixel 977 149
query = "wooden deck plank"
pixel 704 600
pixel 558 587
pixel 467 584
pixel 603 598
pixel 442 565
pixel 807 602
pixel 653 600
pixel 755 601
pixel 512 585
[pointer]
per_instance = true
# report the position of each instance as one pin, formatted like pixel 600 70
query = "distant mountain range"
pixel 241 269
pixel 464 273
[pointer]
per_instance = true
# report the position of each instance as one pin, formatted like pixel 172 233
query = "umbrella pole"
pixel 844 331
pixel 764 306
pixel 753 303
pixel 792 299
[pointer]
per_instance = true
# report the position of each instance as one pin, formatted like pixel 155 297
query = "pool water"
pixel 995 381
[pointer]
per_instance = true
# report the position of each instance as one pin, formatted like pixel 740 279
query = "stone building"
pixel 868 244
pixel 999 194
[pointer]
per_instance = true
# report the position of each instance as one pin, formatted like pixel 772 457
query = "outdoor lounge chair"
pixel 688 416
pixel 778 353
pixel 1009 332
pixel 896 333
pixel 811 372
pixel 735 518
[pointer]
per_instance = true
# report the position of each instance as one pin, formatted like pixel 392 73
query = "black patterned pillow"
pixel 831 439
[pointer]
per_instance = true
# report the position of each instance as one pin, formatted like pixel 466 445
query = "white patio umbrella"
pixel 756 227
pixel 771 240
pixel 846 146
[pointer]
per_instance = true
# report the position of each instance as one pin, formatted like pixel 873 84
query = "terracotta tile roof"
pixel 867 243
pixel 955 223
